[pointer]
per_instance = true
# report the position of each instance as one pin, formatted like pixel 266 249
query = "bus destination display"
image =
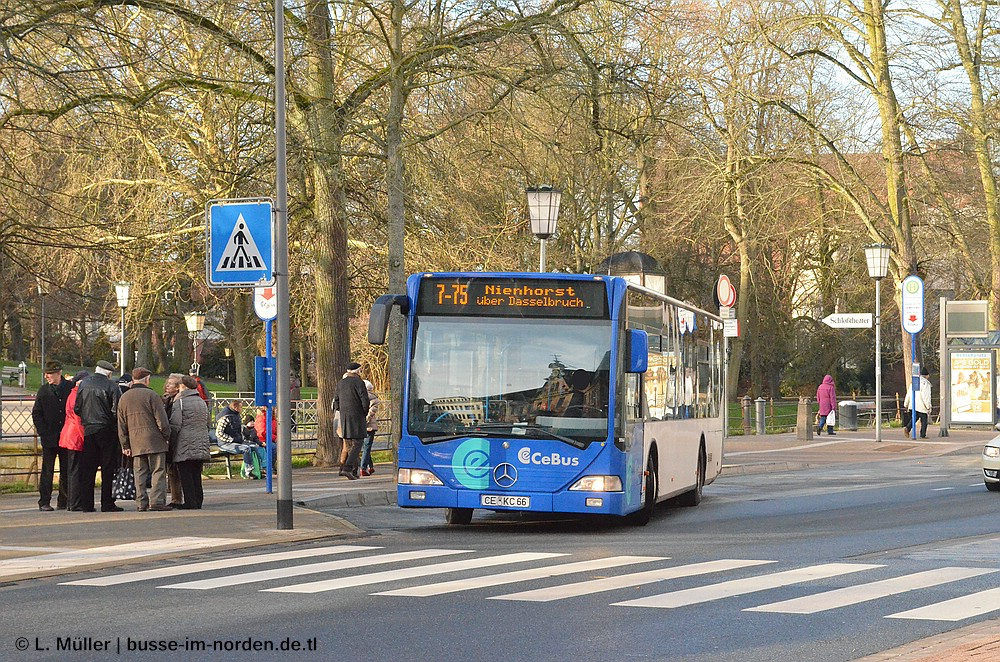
pixel 513 297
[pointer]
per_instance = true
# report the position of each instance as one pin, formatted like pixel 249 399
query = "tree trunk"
pixel 329 206
pixel 18 351
pixel 303 362
pixel 144 345
pixel 244 342
pixel 395 175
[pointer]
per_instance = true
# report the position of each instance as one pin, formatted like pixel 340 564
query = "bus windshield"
pixel 545 378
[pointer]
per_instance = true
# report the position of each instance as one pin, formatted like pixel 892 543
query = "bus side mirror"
pixel 378 321
pixel 637 347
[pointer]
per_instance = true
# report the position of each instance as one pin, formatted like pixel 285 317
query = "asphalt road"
pixel 909 533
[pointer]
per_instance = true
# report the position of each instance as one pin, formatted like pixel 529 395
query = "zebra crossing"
pixel 334 568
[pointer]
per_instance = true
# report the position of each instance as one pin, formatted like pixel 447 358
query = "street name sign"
pixel 849 321
pixel 265 303
pixel 239 243
pixel 912 289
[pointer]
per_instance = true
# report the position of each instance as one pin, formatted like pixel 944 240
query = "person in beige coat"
pixel 189 426
pixel 144 433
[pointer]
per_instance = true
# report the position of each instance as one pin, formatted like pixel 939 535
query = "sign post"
pixel 265 304
pixel 912 292
pixel 726 295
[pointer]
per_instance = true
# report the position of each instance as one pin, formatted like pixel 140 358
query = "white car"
pixel 991 465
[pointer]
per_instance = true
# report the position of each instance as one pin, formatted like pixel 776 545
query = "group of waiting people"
pixel 89 423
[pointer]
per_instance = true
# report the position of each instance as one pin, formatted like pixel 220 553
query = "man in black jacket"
pixel 97 407
pixel 48 414
pixel 352 402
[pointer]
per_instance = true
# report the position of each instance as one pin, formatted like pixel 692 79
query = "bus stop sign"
pixel 913 304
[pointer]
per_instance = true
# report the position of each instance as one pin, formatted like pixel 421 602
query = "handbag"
pixel 124 484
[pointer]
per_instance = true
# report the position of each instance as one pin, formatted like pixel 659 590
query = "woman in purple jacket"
pixel 826 396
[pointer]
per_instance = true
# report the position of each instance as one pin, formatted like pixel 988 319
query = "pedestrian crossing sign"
pixel 239 243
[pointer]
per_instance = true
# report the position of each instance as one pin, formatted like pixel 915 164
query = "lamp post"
pixel 195 323
pixel 228 352
pixel 41 298
pixel 122 289
pixel 877 257
pixel 543 207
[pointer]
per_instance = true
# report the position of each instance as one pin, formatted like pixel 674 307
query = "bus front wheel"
pixel 458 516
pixel 642 516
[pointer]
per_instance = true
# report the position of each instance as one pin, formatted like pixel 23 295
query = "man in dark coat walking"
pixel 352 402
pixel 97 406
pixel 48 414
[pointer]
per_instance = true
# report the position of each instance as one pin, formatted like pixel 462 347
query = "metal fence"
pixel 20 453
pixel 777 415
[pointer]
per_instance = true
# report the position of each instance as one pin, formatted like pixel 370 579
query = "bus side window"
pixel 633 397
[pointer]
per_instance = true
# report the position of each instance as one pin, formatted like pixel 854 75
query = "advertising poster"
pixel 971 387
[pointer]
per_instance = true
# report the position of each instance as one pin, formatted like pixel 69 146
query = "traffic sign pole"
pixel 912 319
pixel 268 437
pixel 284 502
pixel 914 385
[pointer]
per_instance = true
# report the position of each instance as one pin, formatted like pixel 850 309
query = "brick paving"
pixel 974 643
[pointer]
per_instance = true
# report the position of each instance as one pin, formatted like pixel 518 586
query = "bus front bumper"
pixel 428 496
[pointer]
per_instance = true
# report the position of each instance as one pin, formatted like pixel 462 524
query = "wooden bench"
pixel 11 374
pixel 217 453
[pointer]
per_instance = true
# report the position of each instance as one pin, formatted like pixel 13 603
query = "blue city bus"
pixel 566 393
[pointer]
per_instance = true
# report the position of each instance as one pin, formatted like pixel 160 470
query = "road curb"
pixel 305 536
pixel 763 468
pixel 351 499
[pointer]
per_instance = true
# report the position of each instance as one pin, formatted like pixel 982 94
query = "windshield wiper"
pixel 459 435
pixel 522 429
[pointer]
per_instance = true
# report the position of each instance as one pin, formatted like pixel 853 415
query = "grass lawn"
pixel 34 379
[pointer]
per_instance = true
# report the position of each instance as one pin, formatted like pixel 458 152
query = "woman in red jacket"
pixel 826 396
pixel 71 438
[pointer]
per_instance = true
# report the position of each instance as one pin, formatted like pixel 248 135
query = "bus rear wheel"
pixel 693 497
pixel 458 516
pixel 642 516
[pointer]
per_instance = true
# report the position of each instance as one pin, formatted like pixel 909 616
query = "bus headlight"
pixel 598 484
pixel 417 477
pixel 992 451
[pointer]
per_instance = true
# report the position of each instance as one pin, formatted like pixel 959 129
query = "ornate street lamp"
pixel 877 257
pixel 543 207
pixel 195 323
pixel 122 289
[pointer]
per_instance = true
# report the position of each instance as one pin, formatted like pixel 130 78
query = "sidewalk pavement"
pixel 751 454
pixel 979 642
pixel 237 514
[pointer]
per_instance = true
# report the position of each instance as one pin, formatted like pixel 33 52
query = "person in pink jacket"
pixel 71 438
pixel 826 396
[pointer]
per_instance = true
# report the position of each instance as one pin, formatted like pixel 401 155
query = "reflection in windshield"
pixel 503 375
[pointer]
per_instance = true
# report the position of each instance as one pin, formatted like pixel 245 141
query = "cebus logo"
pixel 525 456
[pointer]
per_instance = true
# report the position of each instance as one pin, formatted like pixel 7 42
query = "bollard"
pixel 804 421
pixel 761 422
pixel 745 403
